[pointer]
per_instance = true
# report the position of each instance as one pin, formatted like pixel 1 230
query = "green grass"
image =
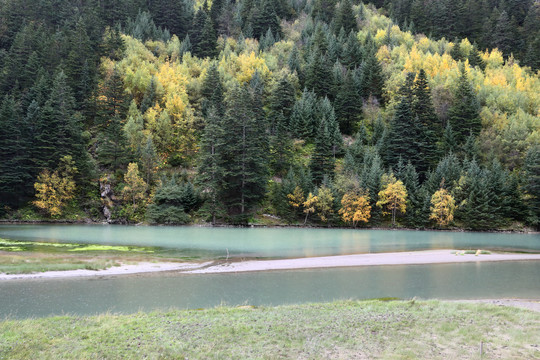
pixel 340 330
pixel 23 257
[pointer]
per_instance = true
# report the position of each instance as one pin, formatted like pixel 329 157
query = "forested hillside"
pixel 271 111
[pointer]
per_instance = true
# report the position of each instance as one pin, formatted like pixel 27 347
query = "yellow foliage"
pixel 309 205
pixel 442 207
pixel 296 199
pixel 324 203
pixel 54 189
pixel 393 196
pixel 135 189
pixel 355 207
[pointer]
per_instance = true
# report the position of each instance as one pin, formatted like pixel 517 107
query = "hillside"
pixel 309 111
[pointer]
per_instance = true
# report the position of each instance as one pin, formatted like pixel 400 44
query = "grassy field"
pixel 339 330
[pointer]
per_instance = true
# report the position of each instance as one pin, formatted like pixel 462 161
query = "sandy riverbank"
pixel 398 258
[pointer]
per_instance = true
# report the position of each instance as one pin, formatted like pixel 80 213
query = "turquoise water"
pixel 269 242
pixel 129 294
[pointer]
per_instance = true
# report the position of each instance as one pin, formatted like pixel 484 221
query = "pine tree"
pixel 351 54
pixel 324 10
pixel 322 162
pixel 429 127
pixel 266 18
pixel 243 155
pixel 317 75
pixel 502 36
pixel 372 78
pixel 404 141
pixel 345 18
pixel 207 46
pixel 14 171
pixel 212 91
pixel 464 113
pixel 531 172
pixel 348 105
pixel 281 103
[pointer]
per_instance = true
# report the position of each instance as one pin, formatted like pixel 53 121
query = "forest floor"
pixel 372 329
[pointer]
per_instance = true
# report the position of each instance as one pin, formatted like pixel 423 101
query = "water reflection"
pixel 269 242
pixel 131 294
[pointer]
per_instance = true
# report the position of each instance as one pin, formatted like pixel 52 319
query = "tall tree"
pixel 243 155
pixel 464 113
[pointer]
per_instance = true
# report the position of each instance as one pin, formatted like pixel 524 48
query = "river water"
pixel 270 242
pixel 128 294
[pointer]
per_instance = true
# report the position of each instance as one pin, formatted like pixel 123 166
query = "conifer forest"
pixel 405 113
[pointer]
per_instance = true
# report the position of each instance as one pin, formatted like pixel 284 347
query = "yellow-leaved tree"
pixel 355 207
pixel 325 203
pixel 309 205
pixel 296 199
pixel 442 207
pixel 393 196
pixel 134 193
pixel 53 190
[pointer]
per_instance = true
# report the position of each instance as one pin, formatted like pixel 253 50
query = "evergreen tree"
pixel 212 91
pixel 207 45
pixel 372 78
pixel 531 172
pixel 345 18
pixel 351 54
pixel 112 146
pixel 243 155
pixel 464 113
pixel 322 161
pixel 502 36
pixel 348 105
pixel 324 10
pixel 281 103
pixel 429 127
pixel 266 18
pixel 211 167
pixel 317 75
pixel 14 171
pixel 150 97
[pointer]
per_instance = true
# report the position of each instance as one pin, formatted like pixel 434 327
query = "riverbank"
pixel 520 229
pixel 379 259
pixel 338 330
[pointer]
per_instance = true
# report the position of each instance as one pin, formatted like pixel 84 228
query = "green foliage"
pixel 172 203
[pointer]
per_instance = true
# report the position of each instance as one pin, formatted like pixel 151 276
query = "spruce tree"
pixel 318 72
pixel 212 91
pixel 464 113
pixel 207 45
pixel 14 171
pixel 243 155
pixel 211 168
pixel 531 172
pixel 281 103
pixel 322 161
pixel 345 18
pixel 348 105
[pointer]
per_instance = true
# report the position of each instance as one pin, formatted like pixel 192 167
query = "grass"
pixel 24 257
pixel 340 330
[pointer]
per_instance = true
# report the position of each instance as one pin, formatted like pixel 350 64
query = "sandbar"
pixel 357 260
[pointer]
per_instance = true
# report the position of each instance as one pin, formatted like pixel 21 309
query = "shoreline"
pixel 323 262
pixel 276 226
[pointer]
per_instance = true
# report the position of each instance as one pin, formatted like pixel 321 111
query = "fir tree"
pixel 348 105
pixel 14 171
pixel 212 91
pixel 322 162
pixel 464 113
pixel 243 155
pixel 345 18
